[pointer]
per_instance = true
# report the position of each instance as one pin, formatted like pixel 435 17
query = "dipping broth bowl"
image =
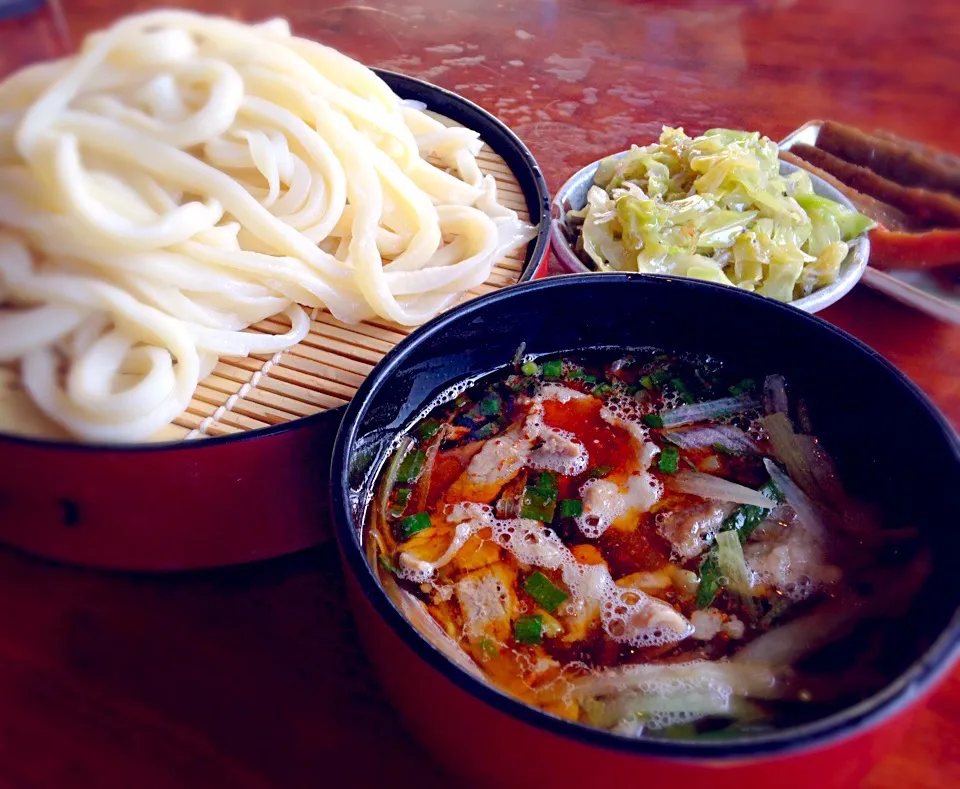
pixel 485 737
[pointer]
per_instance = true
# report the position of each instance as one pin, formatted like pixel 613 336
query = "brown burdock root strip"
pixel 932 209
pixel 905 163
pixel 941 158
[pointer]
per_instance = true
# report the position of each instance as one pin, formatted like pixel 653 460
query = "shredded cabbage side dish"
pixel 716 208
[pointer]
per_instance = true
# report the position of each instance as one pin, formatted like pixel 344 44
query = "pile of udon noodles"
pixel 184 177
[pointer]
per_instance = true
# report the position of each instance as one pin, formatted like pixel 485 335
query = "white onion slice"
pixel 732 564
pixel 707 486
pixel 713 409
pixel 789 643
pixel 805 508
pixel 727 437
pixel 752 680
pixel 788 450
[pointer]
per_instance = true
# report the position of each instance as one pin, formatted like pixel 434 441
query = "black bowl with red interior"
pixel 890 444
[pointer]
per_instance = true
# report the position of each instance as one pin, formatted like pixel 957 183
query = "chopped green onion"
pixel 652 420
pixel 488 430
pixel 575 375
pixel 743 520
pixel 488 647
pixel 399 502
pixel 491 405
pixel 386 564
pixel 681 389
pixel 748 517
pixel 411 466
pixel 660 378
pixel 414 523
pixel 709 580
pixel 647 383
pixel 544 591
pixel 602 389
pixel 669 460
pixel 539 500
pixel 599 471
pixel 428 428
pixel 553 369
pixel 571 508
pixel 590 379
pixel 529 630
pixel 529 368
pixel 746 385
pixel 545 481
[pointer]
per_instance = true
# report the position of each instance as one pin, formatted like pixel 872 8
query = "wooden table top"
pixel 252 676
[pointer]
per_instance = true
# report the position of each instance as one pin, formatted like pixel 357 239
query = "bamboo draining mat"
pixel 327 367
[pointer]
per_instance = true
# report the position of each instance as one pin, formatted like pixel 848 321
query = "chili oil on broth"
pixel 628 540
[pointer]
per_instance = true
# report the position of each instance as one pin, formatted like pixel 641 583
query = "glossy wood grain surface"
pixel 252 677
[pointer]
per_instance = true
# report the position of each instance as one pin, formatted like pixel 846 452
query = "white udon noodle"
pixel 184 177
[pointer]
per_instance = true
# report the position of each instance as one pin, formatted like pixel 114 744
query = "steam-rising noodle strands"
pixel 185 177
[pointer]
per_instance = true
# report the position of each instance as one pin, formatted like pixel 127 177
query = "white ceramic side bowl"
pixel 573 196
